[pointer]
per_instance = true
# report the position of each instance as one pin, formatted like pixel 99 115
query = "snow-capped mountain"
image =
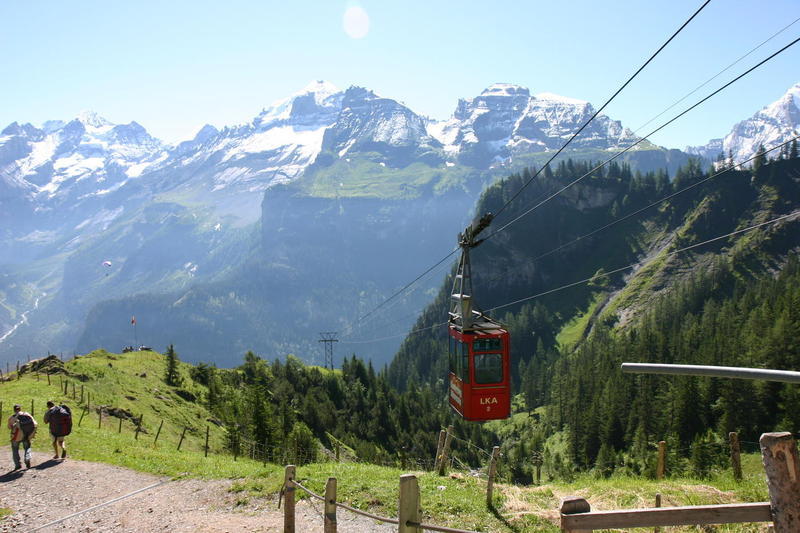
pixel 773 125
pixel 65 161
pixel 369 123
pixel 505 120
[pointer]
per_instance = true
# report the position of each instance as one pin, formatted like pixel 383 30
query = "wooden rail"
pixel 781 464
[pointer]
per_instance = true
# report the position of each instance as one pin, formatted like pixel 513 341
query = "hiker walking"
pixel 59 417
pixel 23 429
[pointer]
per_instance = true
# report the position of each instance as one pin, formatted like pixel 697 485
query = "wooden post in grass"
pixel 73 390
pixel 99 418
pixel 66 387
pixel 207 428
pixel 138 427
pixel 183 434
pixel 85 410
pixel 1 409
pixel 574 505
pixel 782 466
pixel 408 507
pixel 330 506
pixel 446 451
pixel 119 429
pixel 158 432
pixel 736 461
pixel 32 413
pixel 288 499
pixel 492 470
pixel 662 459
pixel 658 504
pixel 439 445
pixel 48 378
pixel 81 394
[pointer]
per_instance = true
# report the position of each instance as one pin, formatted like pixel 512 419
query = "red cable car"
pixel 480 369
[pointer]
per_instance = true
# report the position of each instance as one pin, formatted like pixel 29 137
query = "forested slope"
pixel 655 285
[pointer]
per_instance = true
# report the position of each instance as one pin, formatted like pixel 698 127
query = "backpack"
pixel 61 421
pixel 26 424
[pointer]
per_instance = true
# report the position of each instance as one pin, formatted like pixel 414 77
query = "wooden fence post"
pixel 574 505
pixel 138 427
pixel 99 417
pixel 492 471
pixel 439 445
pixel 66 387
pixel 81 394
pixel 736 462
pixel 408 507
pixel 207 428
pixel 782 466
pixel 446 451
pixel 158 432
pixel 48 378
pixel 85 410
pixel 330 505
pixel 183 434
pixel 32 413
pixel 288 499
pixel 119 429
pixel 662 459
pixel 658 504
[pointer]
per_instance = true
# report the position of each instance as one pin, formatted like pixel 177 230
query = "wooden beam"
pixel 669 516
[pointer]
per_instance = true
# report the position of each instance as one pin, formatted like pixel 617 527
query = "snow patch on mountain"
pixel 771 126
pixel 505 120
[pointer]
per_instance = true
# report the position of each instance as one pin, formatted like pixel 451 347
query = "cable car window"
pixel 463 369
pixel 488 367
pixel 452 355
pixel 490 344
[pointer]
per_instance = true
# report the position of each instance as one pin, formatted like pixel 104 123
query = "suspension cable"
pixel 503 208
pixel 618 154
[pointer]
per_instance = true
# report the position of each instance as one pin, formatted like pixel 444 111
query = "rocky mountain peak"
pixel 774 124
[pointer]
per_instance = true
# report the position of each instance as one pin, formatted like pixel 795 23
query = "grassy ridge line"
pixel 132 382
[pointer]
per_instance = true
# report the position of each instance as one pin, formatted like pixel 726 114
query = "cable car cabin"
pixel 480 377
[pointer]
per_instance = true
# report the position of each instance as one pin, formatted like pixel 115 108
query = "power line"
pixel 628 267
pixel 662 200
pixel 687 95
pixel 618 154
pixel 603 106
pixel 586 280
pixel 642 67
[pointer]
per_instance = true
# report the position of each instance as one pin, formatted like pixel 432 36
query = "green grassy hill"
pixel 126 386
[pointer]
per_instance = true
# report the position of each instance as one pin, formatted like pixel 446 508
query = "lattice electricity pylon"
pixel 328 337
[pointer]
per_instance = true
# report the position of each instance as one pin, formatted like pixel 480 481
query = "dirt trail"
pixel 54 489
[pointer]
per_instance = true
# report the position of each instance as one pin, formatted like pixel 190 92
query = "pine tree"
pixel 171 376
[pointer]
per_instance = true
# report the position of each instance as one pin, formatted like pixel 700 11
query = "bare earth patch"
pixel 54 489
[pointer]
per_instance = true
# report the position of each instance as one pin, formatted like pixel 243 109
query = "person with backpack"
pixel 23 429
pixel 59 417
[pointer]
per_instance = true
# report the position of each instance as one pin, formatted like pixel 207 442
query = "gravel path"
pixel 54 489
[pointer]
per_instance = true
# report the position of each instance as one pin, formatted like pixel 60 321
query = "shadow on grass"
pixel 502 519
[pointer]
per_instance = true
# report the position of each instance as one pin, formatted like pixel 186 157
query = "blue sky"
pixel 174 66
